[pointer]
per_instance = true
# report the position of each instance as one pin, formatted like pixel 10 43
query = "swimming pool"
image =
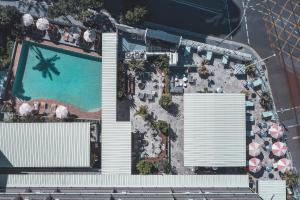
pixel 46 72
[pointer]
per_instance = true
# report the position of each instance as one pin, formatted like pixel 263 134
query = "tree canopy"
pixel 73 7
pixel 145 167
pixel 9 15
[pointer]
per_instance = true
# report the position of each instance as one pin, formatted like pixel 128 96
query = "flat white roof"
pixel 272 189
pixel 96 180
pixel 116 136
pixel 214 130
pixel 44 145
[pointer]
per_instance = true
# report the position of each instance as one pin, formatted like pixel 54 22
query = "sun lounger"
pixel 42 108
pixel 53 108
pixel 66 36
pixel 36 106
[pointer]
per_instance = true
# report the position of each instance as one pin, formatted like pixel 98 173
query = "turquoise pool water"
pixel 51 73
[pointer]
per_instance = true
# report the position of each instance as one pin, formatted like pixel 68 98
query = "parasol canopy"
pixel 61 112
pixel 254 165
pixel 279 149
pixel 42 24
pixel 276 131
pixel 254 149
pixel 25 109
pixel 27 19
pixel 284 165
pixel 89 35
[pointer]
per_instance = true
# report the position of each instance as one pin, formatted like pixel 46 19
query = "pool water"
pixel 46 72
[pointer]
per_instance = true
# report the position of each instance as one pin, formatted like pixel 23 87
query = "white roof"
pixel 96 180
pixel 214 130
pixel 116 136
pixel 45 145
pixel 272 189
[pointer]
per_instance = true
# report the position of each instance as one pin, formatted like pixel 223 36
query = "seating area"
pixel 3 82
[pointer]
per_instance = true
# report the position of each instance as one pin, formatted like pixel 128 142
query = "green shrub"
pixel 162 126
pixel 166 100
pixel 145 167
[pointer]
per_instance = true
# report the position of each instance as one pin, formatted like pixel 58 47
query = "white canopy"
pixel 61 112
pixel 42 24
pixel 25 109
pixel 27 19
pixel 254 149
pixel 89 35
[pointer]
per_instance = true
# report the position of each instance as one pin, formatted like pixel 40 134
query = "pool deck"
pixel 72 110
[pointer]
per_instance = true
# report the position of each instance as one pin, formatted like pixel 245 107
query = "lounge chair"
pixel 42 108
pixel 53 108
pixel 36 106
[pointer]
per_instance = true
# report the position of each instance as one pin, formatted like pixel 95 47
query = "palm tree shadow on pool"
pixel 46 65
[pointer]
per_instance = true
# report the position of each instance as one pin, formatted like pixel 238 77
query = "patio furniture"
pixel 225 59
pixel 249 133
pixel 177 90
pixel 249 105
pixel 141 96
pixel 150 97
pixel 209 55
pixel 191 79
pixel 267 115
pixel 239 69
pixel 257 84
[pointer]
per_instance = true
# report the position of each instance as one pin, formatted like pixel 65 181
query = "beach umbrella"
pixel 89 35
pixel 42 24
pixel 27 19
pixel 75 31
pixel 284 165
pixel 254 165
pixel 254 149
pixel 25 109
pixel 279 149
pixel 276 131
pixel 184 79
pixel 61 112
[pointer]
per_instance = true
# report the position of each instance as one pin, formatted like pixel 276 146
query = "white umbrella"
pixel 75 31
pixel 27 19
pixel 279 149
pixel 284 165
pixel 89 35
pixel 42 24
pixel 61 112
pixel 254 149
pixel 25 109
pixel 276 131
pixel 254 165
pixel 184 79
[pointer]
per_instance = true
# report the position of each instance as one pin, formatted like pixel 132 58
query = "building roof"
pixel 45 144
pixel 123 180
pixel 116 136
pixel 272 189
pixel 214 130
pixel 164 36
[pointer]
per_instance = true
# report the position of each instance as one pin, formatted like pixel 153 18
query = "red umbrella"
pixel 279 149
pixel 284 165
pixel 276 131
pixel 254 149
pixel 254 165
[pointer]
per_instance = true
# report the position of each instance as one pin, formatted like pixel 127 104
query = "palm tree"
pixel 143 111
pixel 202 69
pixel 291 178
pixel 265 100
pixel 250 70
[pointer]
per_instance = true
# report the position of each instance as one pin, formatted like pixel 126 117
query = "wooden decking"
pixel 72 110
